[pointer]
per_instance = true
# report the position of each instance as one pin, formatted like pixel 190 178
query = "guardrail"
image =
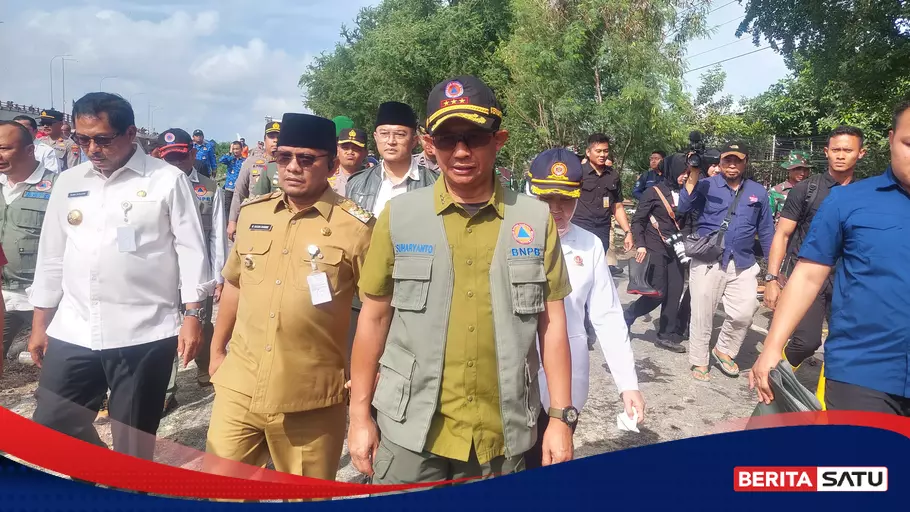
pixel 26 109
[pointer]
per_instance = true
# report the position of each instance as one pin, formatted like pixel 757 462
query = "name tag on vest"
pixel 37 195
pixel 260 227
pixel 84 193
pixel 414 249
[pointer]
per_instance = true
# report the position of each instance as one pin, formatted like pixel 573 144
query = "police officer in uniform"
pixel 67 151
pixel 253 168
pixel 352 150
pixel 289 283
pixel 175 146
pixel 461 278
pixel 26 187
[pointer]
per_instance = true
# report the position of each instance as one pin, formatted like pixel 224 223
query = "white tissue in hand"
pixel 626 424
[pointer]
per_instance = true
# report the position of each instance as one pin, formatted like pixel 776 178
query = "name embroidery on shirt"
pixel 84 193
pixel 260 227
pixel 414 249
pixel 36 195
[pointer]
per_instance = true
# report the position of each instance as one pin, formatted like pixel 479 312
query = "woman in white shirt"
pixel 556 179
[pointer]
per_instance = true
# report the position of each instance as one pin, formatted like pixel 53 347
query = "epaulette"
pixel 260 198
pixel 354 210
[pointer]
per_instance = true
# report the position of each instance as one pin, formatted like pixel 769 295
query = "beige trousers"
pixel 709 284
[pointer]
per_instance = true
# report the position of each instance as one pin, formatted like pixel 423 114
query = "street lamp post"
pixel 152 120
pixel 134 107
pixel 101 86
pixel 63 62
pixel 51 68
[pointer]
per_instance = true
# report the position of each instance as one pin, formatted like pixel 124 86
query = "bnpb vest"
pixel 411 366
pixel 20 229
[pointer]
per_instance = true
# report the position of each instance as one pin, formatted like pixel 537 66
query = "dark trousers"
pixel 13 323
pixel 534 456
pixel 840 396
pixel 228 197
pixel 666 275
pixel 807 337
pixel 73 377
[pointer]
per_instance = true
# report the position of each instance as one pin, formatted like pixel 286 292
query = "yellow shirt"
pixel 285 353
pixel 468 413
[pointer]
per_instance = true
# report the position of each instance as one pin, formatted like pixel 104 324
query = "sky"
pixel 223 65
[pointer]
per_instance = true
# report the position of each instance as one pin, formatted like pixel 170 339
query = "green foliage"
pixel 221 148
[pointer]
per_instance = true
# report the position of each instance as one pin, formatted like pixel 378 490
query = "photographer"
pixel 655 226
pixel 732 210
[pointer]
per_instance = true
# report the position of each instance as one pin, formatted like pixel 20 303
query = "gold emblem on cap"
pixel 74 217
pixel 352 134
pixel 142 193
pixel 275 126
pixel 326 231
pixel 558 171
pixel 248 262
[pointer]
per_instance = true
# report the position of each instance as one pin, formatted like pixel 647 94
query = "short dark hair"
pixel 659 152
pixel 238 143
pixel 598 138
pixel 898 112
pixel 119 111
pixel 24 135
pixel 848 130
pixel 30 119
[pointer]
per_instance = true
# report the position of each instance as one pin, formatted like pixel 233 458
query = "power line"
pixel 711 28
pixel 725 60
pixel 717 48
pixel 722 6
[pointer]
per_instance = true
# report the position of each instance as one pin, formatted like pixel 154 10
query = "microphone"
pixel 695 137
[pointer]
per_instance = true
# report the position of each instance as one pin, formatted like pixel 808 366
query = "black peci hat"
pixel 396 114
pixel 307 131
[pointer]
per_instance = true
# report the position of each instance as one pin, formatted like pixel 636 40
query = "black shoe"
pixel 629 319
pixel 670 342
pixel 616 271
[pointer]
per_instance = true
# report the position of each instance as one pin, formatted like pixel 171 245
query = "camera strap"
pixel 668 207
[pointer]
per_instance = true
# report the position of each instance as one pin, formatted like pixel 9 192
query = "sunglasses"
pixel 175 157
pixel 303 160
pixel 99 140
pixel 473 140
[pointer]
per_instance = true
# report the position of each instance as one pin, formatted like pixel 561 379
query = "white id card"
pixel 319 288
pixel 126 239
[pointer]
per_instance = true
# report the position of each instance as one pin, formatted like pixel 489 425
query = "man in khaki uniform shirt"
pixel 253 168
pixel 466 435
pixel 289 283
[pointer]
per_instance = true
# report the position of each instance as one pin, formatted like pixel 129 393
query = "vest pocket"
pixel 412 282
pixel 394 389
pixel 28 219
pixel 528 280
pixel 532 394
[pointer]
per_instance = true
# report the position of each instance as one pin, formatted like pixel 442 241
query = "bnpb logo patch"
pixel 201 190
pixel 523 233
pixel 454 89
pixel 44 186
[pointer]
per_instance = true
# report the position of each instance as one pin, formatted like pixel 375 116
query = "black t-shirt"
pixel 802 212
pixel 599 194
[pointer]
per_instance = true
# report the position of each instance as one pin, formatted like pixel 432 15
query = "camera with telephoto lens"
pixel 676 243
pixel 699 156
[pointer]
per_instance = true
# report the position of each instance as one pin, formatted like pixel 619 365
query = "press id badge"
pixel 126 239
pixel 606 202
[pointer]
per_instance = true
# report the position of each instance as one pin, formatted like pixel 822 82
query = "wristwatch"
pixel 770 278
pixel 198 313
pixel 569 415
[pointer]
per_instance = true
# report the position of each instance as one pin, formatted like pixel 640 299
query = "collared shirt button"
pixel 285 251
pixel 470 364
pixel 470 328
pixel 470 230
pixel 470 398
pixel 470 262
pixel 470 294
pixel 271 315
pixel 278 281
pixel 268 348
pixel 293 222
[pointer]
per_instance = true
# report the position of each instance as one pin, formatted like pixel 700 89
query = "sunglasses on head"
pixel 473 139
pixel 99 140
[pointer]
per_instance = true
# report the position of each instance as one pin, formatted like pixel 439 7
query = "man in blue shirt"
pixel 734 277
pixel 651 177
pixel 860 231
pixel 205 153
pixel 233 161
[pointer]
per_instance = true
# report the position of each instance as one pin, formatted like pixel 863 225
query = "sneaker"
pixel 615 271
pixel 670 342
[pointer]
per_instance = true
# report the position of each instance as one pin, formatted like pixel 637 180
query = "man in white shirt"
pixel 556 179
pixel 175 146
pixel 43 153
pixel 25 187
pixel 120 237
pixel 398 171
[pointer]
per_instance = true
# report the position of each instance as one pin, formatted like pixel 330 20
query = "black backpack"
pixel 797 241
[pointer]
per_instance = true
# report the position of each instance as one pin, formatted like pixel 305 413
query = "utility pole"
pixel 63 62
pixel 51 69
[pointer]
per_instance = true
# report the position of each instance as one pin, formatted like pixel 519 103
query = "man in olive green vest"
pixel 26 187
pixel 460 280
pixel 175 146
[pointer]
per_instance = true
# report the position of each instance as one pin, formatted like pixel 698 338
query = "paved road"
pixel 677 406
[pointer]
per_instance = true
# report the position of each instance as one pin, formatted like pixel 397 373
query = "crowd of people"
pixel 437 320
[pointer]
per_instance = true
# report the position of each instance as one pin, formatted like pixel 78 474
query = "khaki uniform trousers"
pixel 709 284
pixel 307 443
pixel 397 465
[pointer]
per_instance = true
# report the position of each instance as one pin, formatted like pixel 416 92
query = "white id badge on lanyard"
pixel 320 292
pixel 126 235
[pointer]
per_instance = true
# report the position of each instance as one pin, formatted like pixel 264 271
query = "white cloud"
pixel 203 63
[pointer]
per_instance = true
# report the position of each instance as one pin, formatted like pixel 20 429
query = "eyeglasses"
pixel 388 136
pixel 99 140
pixel 303 159
pixel 473 140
